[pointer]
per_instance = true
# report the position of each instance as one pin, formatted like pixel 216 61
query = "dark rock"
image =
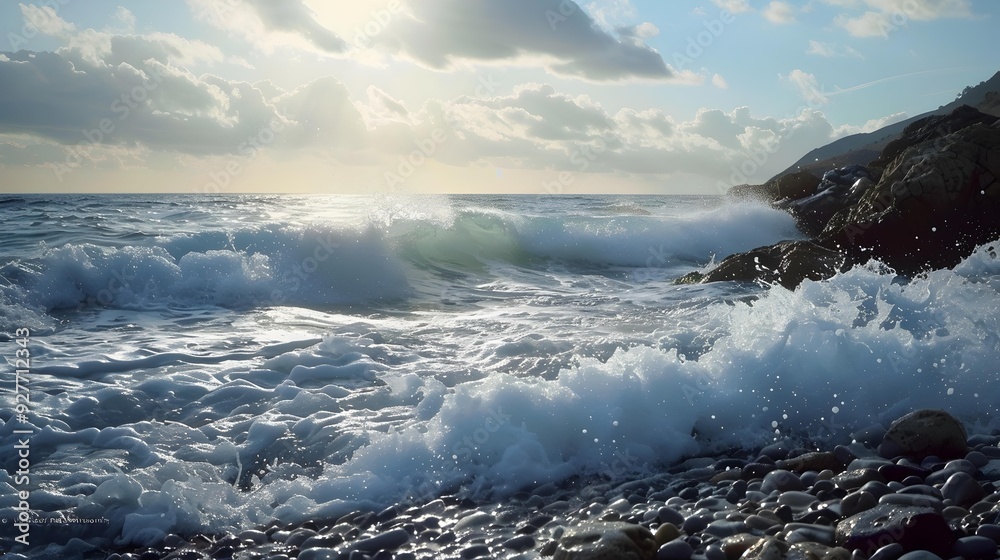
pixel 936 201
pixel 675 550
pixel 912 527
pixel 839 189
pixel 962 489
pixel 782 481
pixel 390 540
pixel 816 461
pixel 975 548
pixel 787 263
pixel 622 541
pixel 520 543
pixel 923 433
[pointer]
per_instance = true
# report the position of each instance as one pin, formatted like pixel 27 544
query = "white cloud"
pixel 734 6
pixel 808 87
pixel 719 82
pixel 270 25
pixel 556 34
pixel 831 50
pixel 882 17
pixel 870 126
pixel 779 13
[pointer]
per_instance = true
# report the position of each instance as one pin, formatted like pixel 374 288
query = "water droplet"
pixel 951 391
pixel 836 409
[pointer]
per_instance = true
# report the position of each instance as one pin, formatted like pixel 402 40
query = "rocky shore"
pixel 920 490
pixel 928 200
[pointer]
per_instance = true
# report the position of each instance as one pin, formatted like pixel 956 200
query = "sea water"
pixel 203 364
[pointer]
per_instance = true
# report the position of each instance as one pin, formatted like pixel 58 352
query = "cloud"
pixel 557 34
pixel 881 17
pixel 832 50
pixel 734 6
pixel 808 87
pixel 269 24
pixel 719 82
pixel 779 13
pixel 870 126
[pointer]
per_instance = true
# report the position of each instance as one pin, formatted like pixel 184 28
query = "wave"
pixel 318 266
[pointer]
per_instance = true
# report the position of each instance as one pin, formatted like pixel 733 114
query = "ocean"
pixel 181 364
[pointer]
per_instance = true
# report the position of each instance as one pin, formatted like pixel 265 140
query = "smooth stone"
pixel 912 481
pixel 761 523
pixel 844 454
pixel 723 529
pixel 767 548
pixel 321 541
pixel 476 519
pixel 782 481
pixel 899 472
pixel 925 432
pixel 319 554
pixel 912 500
pixel 756 470
pixel 520 543
pixel 856 478
pixel 888 552
pixel 920 555
pixel 914 528
pixel 977 458
pixel 696 523
pixel 950 468
pixel 989 531
pixel 797 500
pixel 476 551
pixel 867 463
pixel 390 540
pixel 733 547
pixel 299 536
pixel 666 533
pixel 803 532
pixel 715 552
pixel 815 551
pixel 924 489
pixel 815 461
pixel 875 488
pixel 597 540
pixel 676 550
pixel 962 490
pixel 975 548
pixel 669 515
pixel 954 512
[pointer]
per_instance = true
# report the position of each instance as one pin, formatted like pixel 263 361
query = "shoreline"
pixel 846 502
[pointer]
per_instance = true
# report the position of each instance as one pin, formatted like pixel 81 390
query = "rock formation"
pixel 930 198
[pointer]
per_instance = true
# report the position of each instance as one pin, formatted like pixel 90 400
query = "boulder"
pixel 935 203
pixel 839 189
pixel 787 263
pixel 925 432
pixel 606 541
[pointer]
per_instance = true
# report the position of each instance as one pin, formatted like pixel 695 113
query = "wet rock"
pixel 390 540
pixel 975 548
pixel 914 528
pixel 767 548
pixel 782 481
pixel 815 461
pixel 923 433
pixel 598 541
pixel 666 533
pixel 787 263
pixel 962 489
pixel 676 550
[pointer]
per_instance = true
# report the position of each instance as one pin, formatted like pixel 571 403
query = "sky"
pixel 471 96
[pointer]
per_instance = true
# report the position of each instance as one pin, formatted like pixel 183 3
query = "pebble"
pixel 975 548
pixel 675 550
pixel 783 503
pixel 962 489
pixel 888 552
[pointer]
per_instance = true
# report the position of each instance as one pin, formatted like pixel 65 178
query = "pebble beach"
pixel 850 502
